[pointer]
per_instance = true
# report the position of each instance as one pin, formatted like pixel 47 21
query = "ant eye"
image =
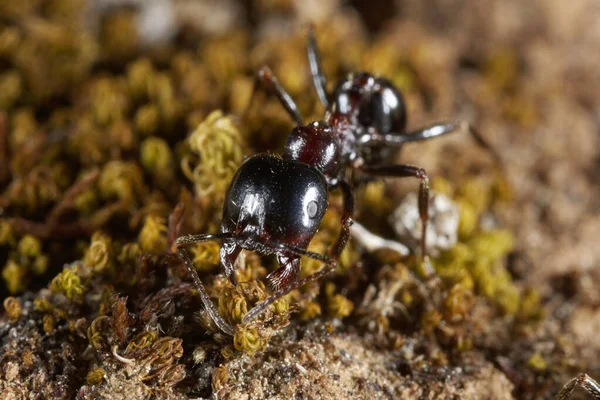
pixel 312 209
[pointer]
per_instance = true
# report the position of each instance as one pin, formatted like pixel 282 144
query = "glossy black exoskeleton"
pixel 273 201
pixel 275 205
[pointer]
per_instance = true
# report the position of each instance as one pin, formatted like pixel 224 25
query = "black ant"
pixel 275 204
pixel 583 380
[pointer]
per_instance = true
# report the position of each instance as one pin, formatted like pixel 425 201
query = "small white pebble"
pixel 301 369
pixel 442 229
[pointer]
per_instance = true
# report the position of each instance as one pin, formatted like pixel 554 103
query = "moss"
pixel 310 311
pixel 233 304
pixel 6 234
pixel 501 68
pixel 139 77
pixel 475 261
pixel 153 235
pixel 536 361
pixel 12 306
pixel 430 321
pixel 248 339
pixel 228 352
pixel 49 324
pixel 220 378
pixel 206 256
pixel 122 180
pixel 147 120
pixel 337 305
pixel 40 264
pixel 458 303
pixel 218 144
pixel 69 283
pixel 156 157
pixel 14 276
pixel 10 87
pixel 119 36
pixel 141 341
pixel 95 376
pixel 99 254
pixel 531 307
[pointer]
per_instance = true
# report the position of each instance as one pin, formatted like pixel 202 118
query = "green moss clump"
pixel 338 305
pixel 13 309
pixel 153 236
pixel 248 339
pixel 69 283
pixel 206 256
pixel 216 150
pixel 476 262
pixel 99 254
pixel 14 276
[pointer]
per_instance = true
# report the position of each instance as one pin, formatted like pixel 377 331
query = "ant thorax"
pixel 316 144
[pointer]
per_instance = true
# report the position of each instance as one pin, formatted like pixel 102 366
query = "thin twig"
pixel 70 195
pixel 23 226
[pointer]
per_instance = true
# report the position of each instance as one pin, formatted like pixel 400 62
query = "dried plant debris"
pixel 115 139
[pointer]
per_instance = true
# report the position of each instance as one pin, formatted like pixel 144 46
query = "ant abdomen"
pixel 376 103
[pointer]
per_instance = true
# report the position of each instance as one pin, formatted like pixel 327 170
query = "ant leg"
pixel 435 131
pixel 404 171
pixel 286 274
pixel 316 70
pixel 347 220
pixel 329 267
pixel 266 80
pixel 180 244
pixel 582 380
pixel 285 278
pixel 228 254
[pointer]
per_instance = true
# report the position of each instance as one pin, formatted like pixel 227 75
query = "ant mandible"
pixel 275 204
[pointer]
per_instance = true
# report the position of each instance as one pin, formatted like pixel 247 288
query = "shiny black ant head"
pixel 275 200
pixel 375 102
pixel 315 144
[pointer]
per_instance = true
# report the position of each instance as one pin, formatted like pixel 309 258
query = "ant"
pixel 275 204
pixel 583 380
